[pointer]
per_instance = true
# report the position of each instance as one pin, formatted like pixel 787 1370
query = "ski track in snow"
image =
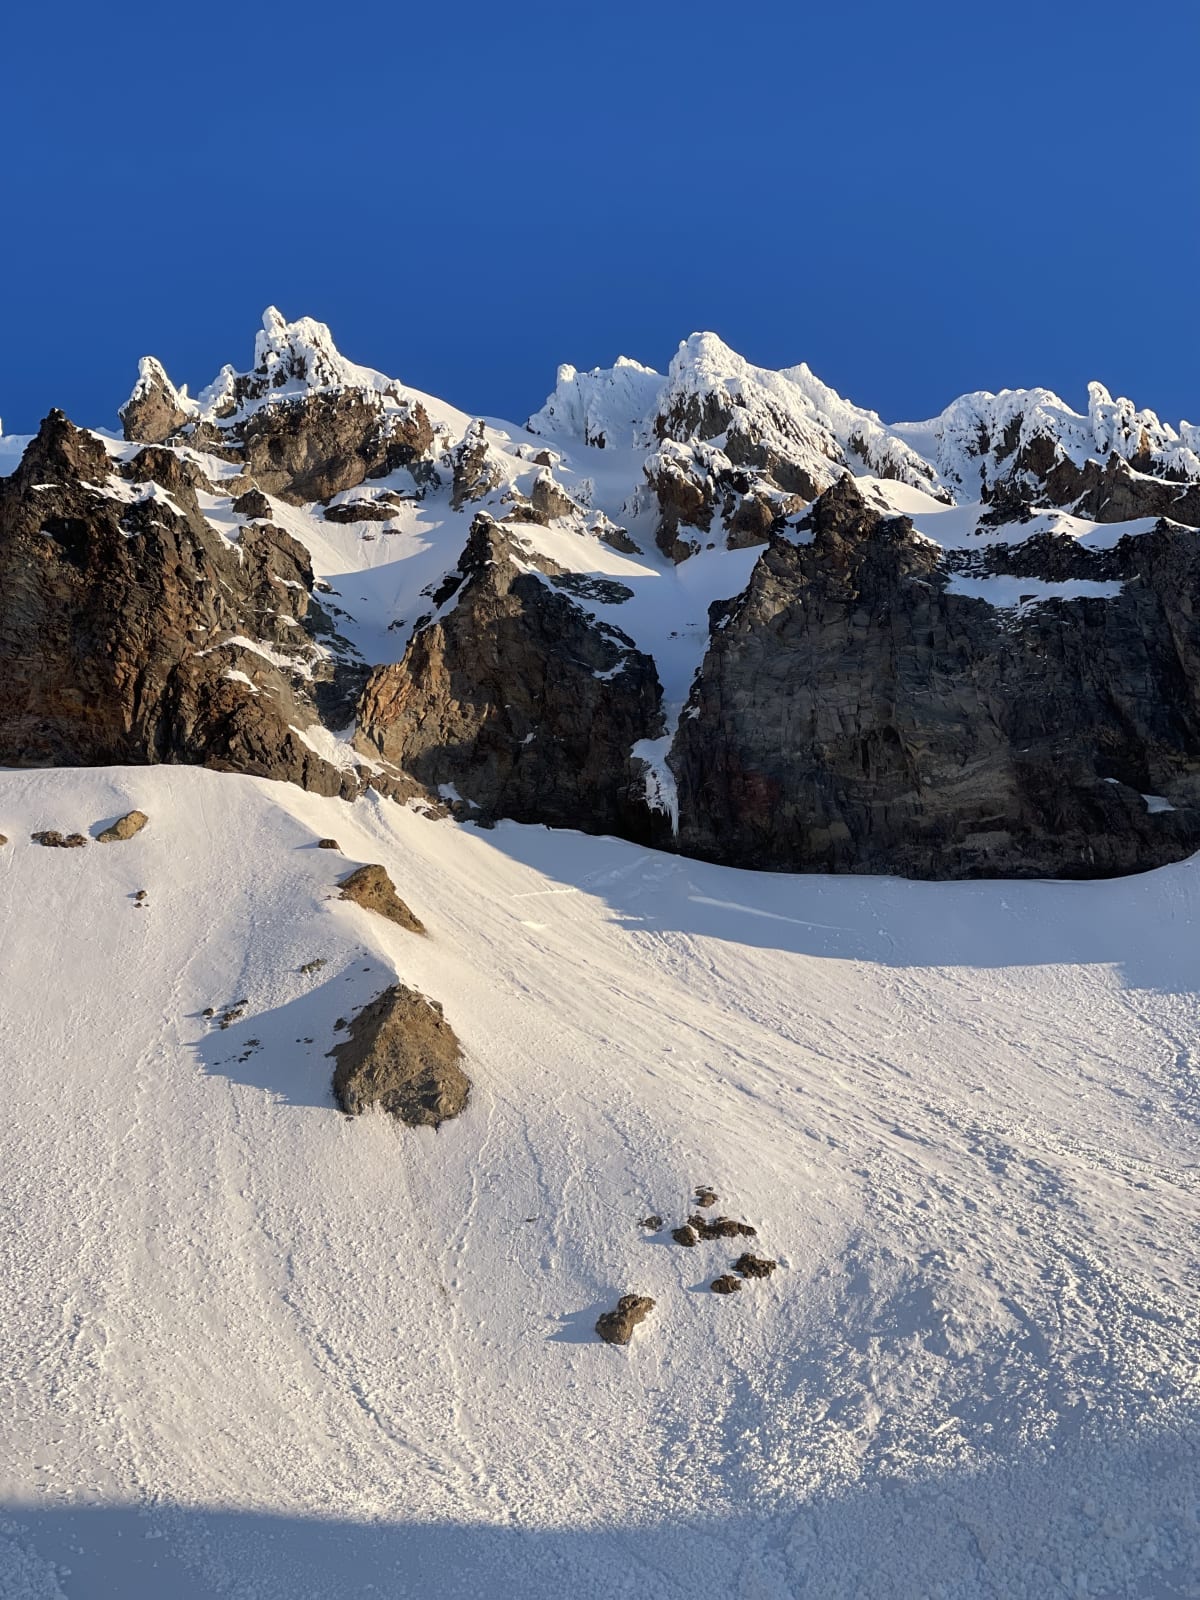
pixel 262 1350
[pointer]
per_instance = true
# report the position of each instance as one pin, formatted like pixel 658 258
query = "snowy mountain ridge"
pixel 459 560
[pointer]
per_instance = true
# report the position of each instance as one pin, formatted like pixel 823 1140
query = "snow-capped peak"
pixel 980 437
pixel 608 407
pixel 302 355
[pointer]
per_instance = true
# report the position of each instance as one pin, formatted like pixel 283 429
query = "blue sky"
pixel 916 199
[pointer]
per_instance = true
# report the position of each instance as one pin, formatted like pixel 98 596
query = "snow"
pixel 1005 591
pixel 265 1351
pixel 967 441
pixel 662 793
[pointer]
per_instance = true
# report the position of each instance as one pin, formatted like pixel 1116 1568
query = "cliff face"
pixel 518 702
pixel 131 630
pixel 720 610
pixel 855 713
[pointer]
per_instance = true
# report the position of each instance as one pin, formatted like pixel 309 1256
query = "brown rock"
pixel 685 1236
pixel 255 505
pixel 115 617
pixel 371 888
pixel 705 1196
pixel 328 844
pixel 754 1266
pixel 153 411
pixel 402 1055
pixel 721 1228
pixel 726 1284
pixel 520 699
pixel 616 1327
pixel 57 841
pixel 123 828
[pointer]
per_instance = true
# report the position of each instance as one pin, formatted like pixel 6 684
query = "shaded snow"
pixel 1003 590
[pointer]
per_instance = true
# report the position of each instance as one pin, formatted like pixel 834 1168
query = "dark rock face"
pixel 120 609
pixel 371 888
pixel 519 700
pixel 853 715
pixel 254 504
pixel 402 1056
pixel 316 445
pixel 616 1327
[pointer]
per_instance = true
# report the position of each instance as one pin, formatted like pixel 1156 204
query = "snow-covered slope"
pixel 257 1350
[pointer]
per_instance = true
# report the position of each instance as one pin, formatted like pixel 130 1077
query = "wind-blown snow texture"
pixel 265 1351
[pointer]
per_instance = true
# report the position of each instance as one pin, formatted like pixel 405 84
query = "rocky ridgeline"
pixel 855 709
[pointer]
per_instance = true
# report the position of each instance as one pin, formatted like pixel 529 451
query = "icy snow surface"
pixel 255 1350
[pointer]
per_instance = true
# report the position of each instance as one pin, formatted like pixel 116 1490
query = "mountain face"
pixel 721 610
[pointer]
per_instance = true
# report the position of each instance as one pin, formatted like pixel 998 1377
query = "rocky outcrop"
pixel 402 1056
pixel 156 409
pixel 371 888
pixel 517 701
pixel 313 446
pixel 754 1266
pixel 476 470
pixel 306 423
pixel 855 714
pixel 133 631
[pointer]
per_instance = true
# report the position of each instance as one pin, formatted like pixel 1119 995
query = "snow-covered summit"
pixel 712 395
pixel 608 407
pixel 290 359
pixel 981 438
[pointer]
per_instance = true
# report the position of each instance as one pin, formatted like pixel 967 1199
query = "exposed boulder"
pixel 726 1284
pixel 721 1228
pixel 616 1327
pixel 754 1266
pixel 123 828
pixel 53 840
pixel 685 1235
pixel 371 888
pixel 402 1056
pixel 255 505
pixel 549 499
pixel 518 700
